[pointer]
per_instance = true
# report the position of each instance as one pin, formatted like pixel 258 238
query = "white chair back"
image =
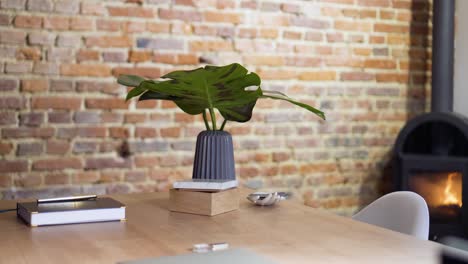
pixel 404 212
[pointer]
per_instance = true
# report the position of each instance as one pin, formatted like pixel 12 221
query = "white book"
pixel 208 185
pixel 71 212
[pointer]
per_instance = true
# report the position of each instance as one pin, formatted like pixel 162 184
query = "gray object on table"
pixel 230 256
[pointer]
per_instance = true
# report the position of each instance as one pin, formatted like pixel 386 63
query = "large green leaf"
pixel 231 89
pixel 210 87
pixel 280 96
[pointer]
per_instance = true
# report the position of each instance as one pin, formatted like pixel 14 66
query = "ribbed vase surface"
pixel 214 156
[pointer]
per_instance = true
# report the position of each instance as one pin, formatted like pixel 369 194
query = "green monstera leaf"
pixel 222 88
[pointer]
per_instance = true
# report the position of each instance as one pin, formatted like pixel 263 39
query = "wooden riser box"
pixel 203 203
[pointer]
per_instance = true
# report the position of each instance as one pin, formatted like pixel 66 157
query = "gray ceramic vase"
pixel 214 156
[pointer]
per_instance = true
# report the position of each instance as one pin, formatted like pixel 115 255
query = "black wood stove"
pixel 431 151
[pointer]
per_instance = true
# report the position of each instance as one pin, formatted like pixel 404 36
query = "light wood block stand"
pixel 203 203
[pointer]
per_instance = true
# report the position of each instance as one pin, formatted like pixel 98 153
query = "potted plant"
pixel 230 89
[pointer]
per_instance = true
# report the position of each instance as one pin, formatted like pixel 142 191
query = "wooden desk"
pixel 288 233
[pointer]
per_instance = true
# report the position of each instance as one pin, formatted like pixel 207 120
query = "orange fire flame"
pixel 450 196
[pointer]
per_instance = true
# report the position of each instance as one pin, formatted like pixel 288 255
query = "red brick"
pixel 247 32
pixel 110 176
pixel 380 64
pixel 281 156
pixel 318 75
pixel 377 39
pixel 187 59
pixel 375 3
pixel 28 54
pixel 145 132
pixel 135 176
pixel 6 181
pixel 292 35
pixel 34 85
pixel 108 25
pixel 405 4
pixel 114 56
pixel 18 67
pixel 166 105
pixel 32 119
pixel 29 149
pixel 170 132
pixel 109 41
pixel 362 51
pixel 356 76
pixel 95 70
pixel 210 45
pixel 134 26
pixel 273 74
pixel 205 30
pixel 12 102
pixel 175 14
pixel 270 33
pixel 56 103
pixel 93 8
pixel 139 56
pixel 87 55
pixel 109 117
pixel 42 132
pixel 264 60
pixel 147 104
pixel 392 77
pixel 67 40
pixel 12 37
pixel 59 117
pixel 390 28
pixel 119 132
pixel 56 23
pixel 148 72
pixel 8 85
pixel 57 164
pixel 343 2
pixel 57 147
pixel 222 17
pixel 135 118
pixel 131 11
pixel 184 2
pixel 165 58
pixel 86 177
pixel 13 165
pixel 106 103
pixel 184 118
pixel 104 163
pixel 57 178
pixel 157 27
pixel 92 132
pixel 353 26
pixel 81 23
pixel 41 38
pixel 28 180
pixel 28 21
pixel 5 148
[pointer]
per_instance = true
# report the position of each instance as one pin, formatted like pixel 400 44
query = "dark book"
pixel 70 212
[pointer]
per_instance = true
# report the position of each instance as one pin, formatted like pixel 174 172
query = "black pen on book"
pixel 71 210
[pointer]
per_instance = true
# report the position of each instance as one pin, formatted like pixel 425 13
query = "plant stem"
pixel 213 118
pixel 224 123
pixel 206 120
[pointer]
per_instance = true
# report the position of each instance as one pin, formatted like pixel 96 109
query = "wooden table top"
pixel 287 233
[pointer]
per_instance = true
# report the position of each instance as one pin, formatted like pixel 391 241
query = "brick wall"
pixel 65 128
